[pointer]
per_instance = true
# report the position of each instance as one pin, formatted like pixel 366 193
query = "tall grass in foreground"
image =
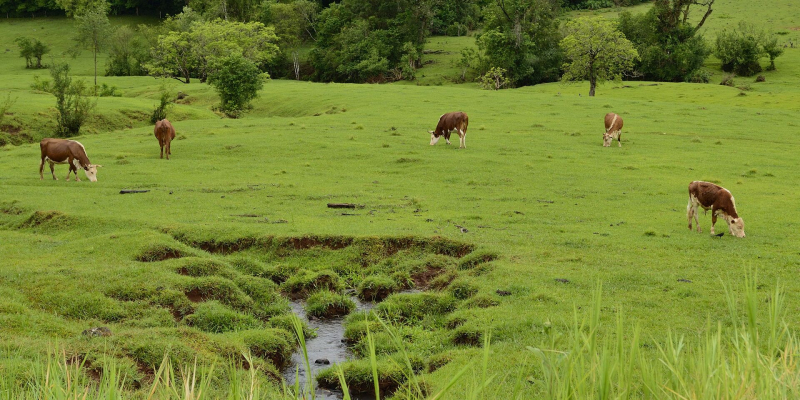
pixel 751 359
pixel 754 357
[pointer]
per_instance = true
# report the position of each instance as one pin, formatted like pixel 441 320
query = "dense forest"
pixel 519 42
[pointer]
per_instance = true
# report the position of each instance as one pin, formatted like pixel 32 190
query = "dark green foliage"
pixel 327 304
pixel 669 49
pixel 455 17
pixel 128 51
pixel 214 317
pixel 597 4
pixel 377 287
pixel 740 49
pixel 366 41
pixel 165 102
pixel 32 50
pixel 72 103
pixel 237 81
pixel 521 37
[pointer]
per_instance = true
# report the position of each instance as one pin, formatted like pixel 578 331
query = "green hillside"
pixel 200 266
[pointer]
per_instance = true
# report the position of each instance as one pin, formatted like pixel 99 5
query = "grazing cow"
pixel 613 130
pixel 719 200
pixel 61 151
pixel 164 133
pixel 449 123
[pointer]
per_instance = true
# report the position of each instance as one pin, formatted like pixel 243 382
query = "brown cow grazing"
pixel 61 151
pixel 719 200
pixel 449 123
pixel 613 130
pixel 164 133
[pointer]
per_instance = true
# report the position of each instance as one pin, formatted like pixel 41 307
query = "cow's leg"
pixel 462 138
pixel 69 169
pixel 160 143
pixel 447 137
pixel 690 213
pixel 41 169
pixel 713 221
pixel 697 218
pixel 166 148
pixel 619 139
pixel 53 170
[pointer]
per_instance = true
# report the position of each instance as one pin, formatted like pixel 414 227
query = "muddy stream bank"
pixel 328 345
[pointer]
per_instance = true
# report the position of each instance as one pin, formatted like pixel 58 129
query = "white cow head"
pixel 607 139
pixel 91 172
pixel 434 138
pixel 736 226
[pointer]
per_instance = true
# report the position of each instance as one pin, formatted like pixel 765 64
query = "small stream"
pixel 327 345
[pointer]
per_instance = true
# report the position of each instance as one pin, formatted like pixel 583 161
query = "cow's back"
pixel 709 194
pixel 164 130
pixel 454 120
pixel 613 122
pixel 57 150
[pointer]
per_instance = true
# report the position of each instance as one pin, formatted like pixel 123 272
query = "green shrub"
pixel 73 105
pixel 740 49
pixel 30 50
pixel 326 304
pixel 376 287
pixel 214 317
pixel 237 81
pixel 165 102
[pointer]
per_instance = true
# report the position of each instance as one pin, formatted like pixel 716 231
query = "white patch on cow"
pixel 91 173
pixel 76 163
pixel 82 148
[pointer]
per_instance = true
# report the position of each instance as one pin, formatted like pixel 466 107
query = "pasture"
pixel 545 212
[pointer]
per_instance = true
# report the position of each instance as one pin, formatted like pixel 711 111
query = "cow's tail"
pixel 612 123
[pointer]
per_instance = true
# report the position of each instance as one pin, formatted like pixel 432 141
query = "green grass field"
pixel 534 186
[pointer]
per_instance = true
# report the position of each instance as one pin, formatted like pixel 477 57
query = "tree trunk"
pixel 95 69
pixel 296 64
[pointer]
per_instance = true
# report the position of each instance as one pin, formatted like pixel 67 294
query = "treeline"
pixel 519 42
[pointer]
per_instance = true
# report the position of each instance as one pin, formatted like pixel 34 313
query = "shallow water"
pixel 327 345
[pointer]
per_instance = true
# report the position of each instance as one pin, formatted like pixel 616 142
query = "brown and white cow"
pixel 62 151
pixel 719 200
pixel 449 123
pixel 613 130
pixel 164 133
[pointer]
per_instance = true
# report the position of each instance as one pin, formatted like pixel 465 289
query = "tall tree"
pixel 596 51
pixel 521 36
pixel 93 30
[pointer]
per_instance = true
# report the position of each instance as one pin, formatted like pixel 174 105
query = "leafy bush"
pixel 128 52
pixel 699 76
pixel 327 304
pixel 669 49
pixel 6 105
pixel 494 79
pixel 237 81
pixel 31 49
pixel 73 105
pixel 727 80
pixel 107 91
pixel 42 85
pixel 740 49
pixel 165 102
